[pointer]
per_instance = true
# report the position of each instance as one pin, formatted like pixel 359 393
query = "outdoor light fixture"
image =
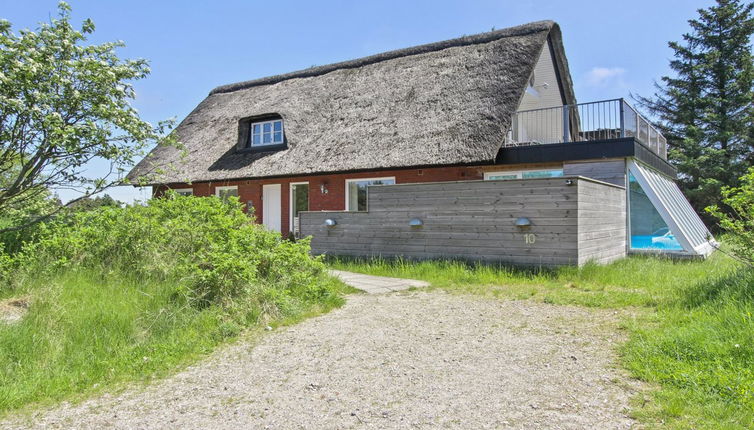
pixel 523 222
pixel 569 181
pixel 323 187
pixel 330 222
pixel 416 222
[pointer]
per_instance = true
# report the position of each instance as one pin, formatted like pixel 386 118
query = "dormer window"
pixel 261 133
pixel 266 133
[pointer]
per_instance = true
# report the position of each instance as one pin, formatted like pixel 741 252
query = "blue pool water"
pixel 666 242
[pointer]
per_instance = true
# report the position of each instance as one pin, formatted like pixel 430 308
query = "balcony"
pixel 583 122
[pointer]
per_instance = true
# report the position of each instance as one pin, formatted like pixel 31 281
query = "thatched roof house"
pixel 496 106
pixel 439 104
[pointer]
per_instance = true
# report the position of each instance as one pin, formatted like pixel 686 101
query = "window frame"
pixel 218 189
pixel 291 203
pixel 261 124
pixel 181 191
pixel 519 174
pixel 246 133
pixel 348 189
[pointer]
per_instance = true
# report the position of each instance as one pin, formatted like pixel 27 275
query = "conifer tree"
pixel 706 110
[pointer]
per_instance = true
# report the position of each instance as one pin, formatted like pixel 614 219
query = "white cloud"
pixel 605 76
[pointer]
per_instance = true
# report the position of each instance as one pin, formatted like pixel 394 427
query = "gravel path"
pixel 404 360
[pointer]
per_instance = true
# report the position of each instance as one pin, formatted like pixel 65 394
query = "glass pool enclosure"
pixel 660 217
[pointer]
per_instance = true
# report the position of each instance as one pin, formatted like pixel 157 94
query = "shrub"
pixel 126 293
pixel 213 251
pixel 738 222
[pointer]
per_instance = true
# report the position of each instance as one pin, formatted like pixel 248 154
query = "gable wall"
pixel 544 72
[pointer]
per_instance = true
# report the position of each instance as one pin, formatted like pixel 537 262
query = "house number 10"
pixel 530 238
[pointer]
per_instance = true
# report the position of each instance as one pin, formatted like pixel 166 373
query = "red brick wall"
pixel 335 198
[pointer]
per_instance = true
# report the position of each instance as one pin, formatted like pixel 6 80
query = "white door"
pixel 271 206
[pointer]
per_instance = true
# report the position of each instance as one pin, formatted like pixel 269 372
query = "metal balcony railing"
pixel 601 120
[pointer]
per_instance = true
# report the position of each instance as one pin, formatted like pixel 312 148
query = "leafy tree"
pixel 64 105
pixel 738 222
pixel 707 109
pixel 91 203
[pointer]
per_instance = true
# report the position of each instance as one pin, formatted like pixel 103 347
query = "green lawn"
pixel 693 337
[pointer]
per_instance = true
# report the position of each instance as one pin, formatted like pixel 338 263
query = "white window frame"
pixel 519 173
pixel 182 191
pixel 225 187
pixel 348 189
pixel 290 203
pixel 261 133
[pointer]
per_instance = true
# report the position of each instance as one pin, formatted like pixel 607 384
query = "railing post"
pixel 622 120
pixel 566 124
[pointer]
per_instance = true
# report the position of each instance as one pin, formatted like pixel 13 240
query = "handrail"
pixel 597 120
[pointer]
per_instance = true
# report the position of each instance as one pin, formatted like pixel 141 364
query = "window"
pixel 262 133
pixel 356 192
pixel 524 174
pixel 225 192
pixel 299 203
pixel 184 191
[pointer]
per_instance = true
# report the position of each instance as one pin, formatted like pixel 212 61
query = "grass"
pixel 693 338
pixel 85 332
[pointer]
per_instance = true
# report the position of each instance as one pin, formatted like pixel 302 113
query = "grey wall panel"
pixel 601 222
pixel 610 171
pixel 471 220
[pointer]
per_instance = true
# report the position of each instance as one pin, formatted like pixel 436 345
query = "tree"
pixel 92 203
pixel 64 105
pixel 738 222
pixel 706 110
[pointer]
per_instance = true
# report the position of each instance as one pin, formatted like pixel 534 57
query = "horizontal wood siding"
pixel 473 220
pixel 601 222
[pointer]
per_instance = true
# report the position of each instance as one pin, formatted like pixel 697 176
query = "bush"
pixel 213 251
pixel 117 294
pixel 738 222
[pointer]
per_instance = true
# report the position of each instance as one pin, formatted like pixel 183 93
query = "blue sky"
pixel 613 48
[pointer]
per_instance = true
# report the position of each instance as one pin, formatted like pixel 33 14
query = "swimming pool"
pixel 666 242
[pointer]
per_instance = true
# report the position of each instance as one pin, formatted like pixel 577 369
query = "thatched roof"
pixel 438 104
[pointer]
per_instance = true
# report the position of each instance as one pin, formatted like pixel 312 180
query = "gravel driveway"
pixel 404 360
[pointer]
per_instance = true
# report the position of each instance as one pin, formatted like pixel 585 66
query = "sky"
pixel 614 49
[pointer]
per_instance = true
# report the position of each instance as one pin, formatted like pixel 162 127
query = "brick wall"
pixel 250 191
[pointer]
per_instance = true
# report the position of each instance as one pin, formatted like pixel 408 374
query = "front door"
pixel 271 207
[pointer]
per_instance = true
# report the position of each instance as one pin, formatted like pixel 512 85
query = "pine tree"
pixel 707 109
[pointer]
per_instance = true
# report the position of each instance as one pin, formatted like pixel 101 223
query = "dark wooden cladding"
pixel 590 150
pixel 475 220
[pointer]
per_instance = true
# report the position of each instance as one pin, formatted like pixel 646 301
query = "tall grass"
pixel 119 294
pixel 693 338
pixel 635 281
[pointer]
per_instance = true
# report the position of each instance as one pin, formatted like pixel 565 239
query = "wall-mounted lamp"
pixel 523 222
pixel 323 188
pixel 415 222
pixel 569 181
pixel 329 222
